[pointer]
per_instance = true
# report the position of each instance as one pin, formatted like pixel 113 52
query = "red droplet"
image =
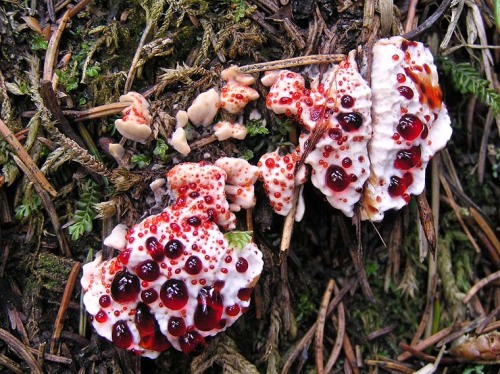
pixel 194 221
pixel 245 293
pixel 241 265
pixel 350 121
pixel 125 287
pixel 208 199
pixel 174 294
pixel 208 312
pixel 398 186
pixel 410 127
pixel 156 342
pixel 425 132
pixel 121 335
pixel 270 163
pixel 336 178
pixel 124 256
pixel 401 78
pixel 174 248
pixel 193 265
pixel 408 158
pixel 347 101
pixel 406 92
pixel 105 301
pixel 347 162
pixel 335 134
pixel 194 195
pixel 144 320
pixel 211 214
pixel 149 296
pixel 148 270
pixel 176 326
pixel 101 316
pixel 190 342
pixel 285 100
pixel 155 248
pixel 233 310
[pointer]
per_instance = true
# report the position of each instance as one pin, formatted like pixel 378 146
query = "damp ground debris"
pixel 336 294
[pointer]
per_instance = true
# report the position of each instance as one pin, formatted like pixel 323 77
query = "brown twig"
pixel 320 327
pixel 410 18
pixel 337 346
pixel 431 295
pixel 431 20
pixel 286 236
pixel 32 172
pixel 349 354
pixel 479 285
pixel 389 365
pixel 203 142
pixel 425 215
pixel 10 364
pixel 51 53
pixel 381 332
pixel 64 306
pixel 290 62
pixel 426 343
pixel 425 357
pixel 485 227
pixel 21 350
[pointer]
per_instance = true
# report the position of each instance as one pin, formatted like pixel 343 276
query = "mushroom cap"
pixel 204 108
pixel 181 118
pixel 179 142
pixel 235 96
pixel 225 130
pixel 136 121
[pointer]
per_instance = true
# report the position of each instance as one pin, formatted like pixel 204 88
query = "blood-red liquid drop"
pixel 174 294
pixel 193 265
pixel 176 326
pixel 149 296
pixel 208 312
pixel 105 301
pixel 233 310
pixel 285 100
pixel 350 121
pixel 335 134
pixel 190 342
pixel 406 92
pixel 148 270
pixel 121 335
pixel 347 101
pixel 159 343
pixel 101 316
pixel 408 158
pixel 241 265
pixel 347 162
pixel 270 163
pixel 125 287
pixel 194 221
pixel 398 186
pixel 410 127
pixel 144 320
pixel 173 249
pixel 245 293
pixel 336 178
pixel 155 248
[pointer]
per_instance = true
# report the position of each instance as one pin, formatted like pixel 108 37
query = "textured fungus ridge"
pixel 176 280
pixel 410 124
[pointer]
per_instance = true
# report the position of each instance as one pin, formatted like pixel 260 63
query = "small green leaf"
pixel 141 160
pixel 38 43
pixel 161 149
pixel 238 239
pixel 93 71
pixel 255 128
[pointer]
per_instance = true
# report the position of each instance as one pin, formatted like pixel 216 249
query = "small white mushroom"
pixel 225 130
pixel 136 121
pixel 179 141
pixel 181 118
pixel 117 151
pixel 204 108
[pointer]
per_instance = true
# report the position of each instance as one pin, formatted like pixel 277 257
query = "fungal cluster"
pixel 364 143
pixel 176 280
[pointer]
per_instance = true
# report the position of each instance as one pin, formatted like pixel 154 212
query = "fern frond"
pixel 85 212
pixel 467 80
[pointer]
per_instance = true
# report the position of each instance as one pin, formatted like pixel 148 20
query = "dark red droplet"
pixel 174 294
pixel 149 296
pixel 410 127
pixel 193 265
pixel 124 256
pixel 148 270
pixel 159 342
pixel 144 320
pixel 406 92
pixel 270 163
pixel 347 101
pixel 245 293
pixel 194 221
pixel 125 287
pixel 425 132
pixel 350 121
pixel 190 342
pixel 401 78
pixel 336 178
pixel 408 158
pixel 155 248
pixel 347 162
pixel 101 316
pixel 398 186
pixel 194 195
pixel 173 249
pixel 176 326
pixel 233 310
pixel 121 335
pixel 208 312
pixel 335 134
pixel 241 265
pixel 105 301
pixel 211 214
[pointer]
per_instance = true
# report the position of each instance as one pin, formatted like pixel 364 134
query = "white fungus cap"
pixel 179 142
pixel 225 130
pixel 136 121
pixel 204 108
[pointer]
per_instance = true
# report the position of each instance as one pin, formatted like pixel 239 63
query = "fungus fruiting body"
pixel 136 121
pixel 236 93
pixel 177 280
pixel 410 124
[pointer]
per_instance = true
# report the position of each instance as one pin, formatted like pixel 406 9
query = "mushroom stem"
pixel 290 62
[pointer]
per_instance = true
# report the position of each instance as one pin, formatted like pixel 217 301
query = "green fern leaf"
pixel 85 213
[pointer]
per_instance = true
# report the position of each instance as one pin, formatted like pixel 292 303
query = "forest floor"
pixel 347 296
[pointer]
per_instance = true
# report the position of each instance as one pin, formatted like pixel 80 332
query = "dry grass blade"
pixel 426 343
pixel 349 354
pixel 64 306
pixel 286 236
pixel 32 172
pixel 51 53
pixel 481 284
pixel 337 346
pixel 21 350
pixel 485 227
pixel 425 357
pixel 291 62
pixel 431 295
pixel 389 365
pixel 425 215
pixel 431 20
pixel 10 364
pixel 320 327
pixel 97 112
pixel 386 16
